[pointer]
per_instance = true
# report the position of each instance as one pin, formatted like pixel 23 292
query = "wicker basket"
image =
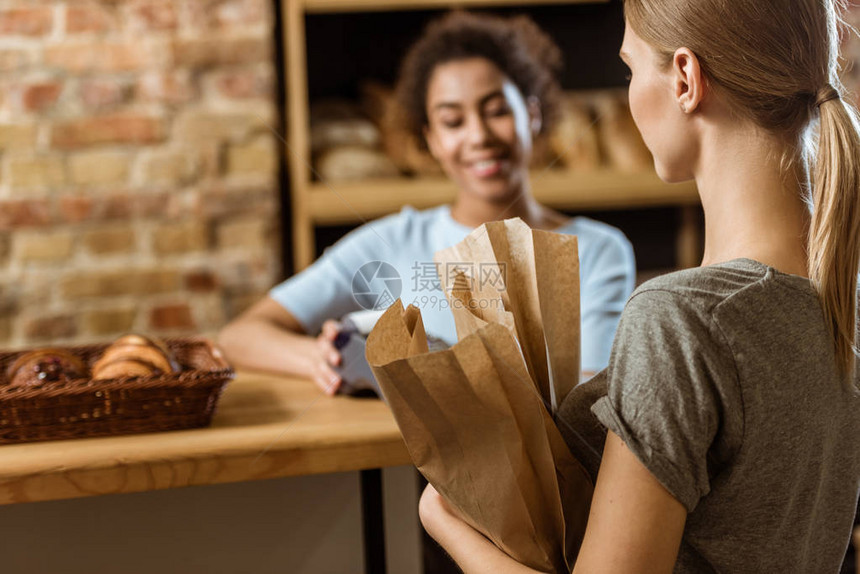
pixel 86 408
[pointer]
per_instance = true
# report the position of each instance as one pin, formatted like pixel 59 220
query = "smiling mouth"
pixel 487 168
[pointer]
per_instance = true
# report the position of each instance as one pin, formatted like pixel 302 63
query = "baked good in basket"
pixel 134 356
pixel 45 366
pixel 123 402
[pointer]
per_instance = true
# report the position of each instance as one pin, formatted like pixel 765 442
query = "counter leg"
pixel 373 521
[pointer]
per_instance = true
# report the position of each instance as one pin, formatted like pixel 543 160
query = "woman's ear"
pixel 688 80
pixel 535 115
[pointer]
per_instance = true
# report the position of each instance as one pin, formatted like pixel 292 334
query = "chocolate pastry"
pixel 45 366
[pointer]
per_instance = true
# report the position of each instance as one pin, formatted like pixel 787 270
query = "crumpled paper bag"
pixel 477 417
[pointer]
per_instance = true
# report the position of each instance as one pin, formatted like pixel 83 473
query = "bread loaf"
pixel 134 356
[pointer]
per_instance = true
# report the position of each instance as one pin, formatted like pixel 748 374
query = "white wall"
pixel 305 525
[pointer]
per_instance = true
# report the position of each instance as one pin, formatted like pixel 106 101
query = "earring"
pixel 683 108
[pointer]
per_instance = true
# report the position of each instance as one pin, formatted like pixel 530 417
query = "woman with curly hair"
pixel 477 90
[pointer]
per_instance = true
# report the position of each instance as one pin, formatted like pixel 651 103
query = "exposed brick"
pixel 255 157
pixel 208 309
pixel 105 56
pixel 174 87
pixel 17 136
pixel 71 86
pixel 209 125
pixel 99 94
pixel 217 50
pixel 9 299
pixel 149 15
pixel 245 270
pixel 76 208
pixel 151 204
pixel 117 207
pixel 227 14
pixel 13 59
pixel 108 241
pixel 234 13
pixel 50 327
pixel 25 213
pixel 109 321
pixel 219 202
pixel 244 83
pixel 138 205
pixel 121 282
pixel 170 167
pixel 211 156
pixel 89 18
pixel 32 246
pixel 233 274
pixel 201 281
pixel 169 317
pixel 181 204
pixel 117 128
pixel 133 55
pixel 180 237
pixel 5 249
pixel 76 58
pixel 36 21
pixel 80 208
pixel 243 233
pixel 36 96
pixel 99 167
pixel 240 302
pixel 36 287
pixel 39 171
pixel 5 329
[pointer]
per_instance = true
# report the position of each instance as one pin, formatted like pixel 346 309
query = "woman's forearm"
pixel 477 555
pixel 267 337
pixel 469 548
pixel 255 343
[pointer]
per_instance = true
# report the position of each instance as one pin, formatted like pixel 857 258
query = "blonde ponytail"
pixel 776 62
pixel 834 235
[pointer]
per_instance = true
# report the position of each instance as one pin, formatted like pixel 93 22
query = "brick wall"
pixel 137 166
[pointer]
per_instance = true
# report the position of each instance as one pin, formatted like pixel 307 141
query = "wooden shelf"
pixel 340 203
pixel 322 6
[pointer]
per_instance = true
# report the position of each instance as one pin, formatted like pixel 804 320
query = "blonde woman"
pixel 732 409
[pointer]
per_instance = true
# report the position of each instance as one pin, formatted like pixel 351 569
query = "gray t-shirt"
pixel 722 381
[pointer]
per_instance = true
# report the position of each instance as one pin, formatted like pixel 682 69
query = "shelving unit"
pixel 317 203
pixel 344 203
pixel 322 6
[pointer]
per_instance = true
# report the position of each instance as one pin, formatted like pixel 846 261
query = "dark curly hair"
pixel 520 49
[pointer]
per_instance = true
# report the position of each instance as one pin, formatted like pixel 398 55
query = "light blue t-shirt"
pixel 406 241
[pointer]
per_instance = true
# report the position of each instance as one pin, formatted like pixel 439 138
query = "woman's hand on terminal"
pixel 325 358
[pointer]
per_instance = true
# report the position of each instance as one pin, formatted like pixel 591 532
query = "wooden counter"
pixel 265 427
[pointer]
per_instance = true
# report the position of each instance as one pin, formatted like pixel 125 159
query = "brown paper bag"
pixel 476 418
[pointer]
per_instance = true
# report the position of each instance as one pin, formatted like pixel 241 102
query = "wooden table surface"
pixel 265 427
